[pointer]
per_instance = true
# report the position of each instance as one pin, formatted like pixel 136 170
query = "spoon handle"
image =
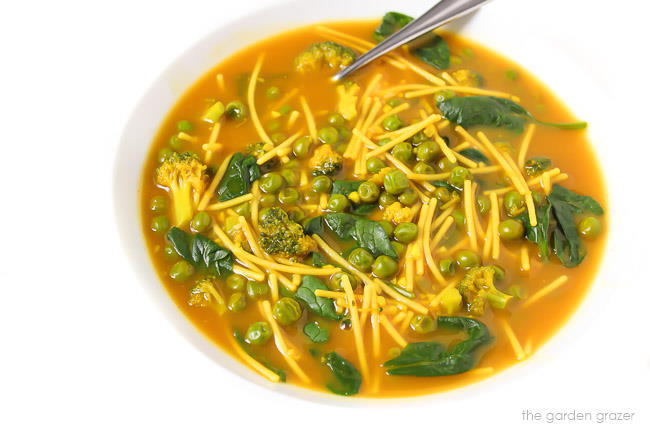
pixel 443 12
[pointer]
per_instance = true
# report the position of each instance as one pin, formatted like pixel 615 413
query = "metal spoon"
pixel 443 12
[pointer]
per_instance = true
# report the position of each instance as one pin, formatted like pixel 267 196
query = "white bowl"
pixel 535 47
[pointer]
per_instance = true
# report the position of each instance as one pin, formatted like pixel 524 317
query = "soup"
pixel 417 227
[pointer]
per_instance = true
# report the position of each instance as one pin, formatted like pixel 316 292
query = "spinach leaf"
pixel 372 236
pixel 343 224
pixel 431 49
pixel 242 342
pixel 475 155
pixel 443 184
pixel 317 260
pixel 363 209
pixel 318 305
pixel 345 187
pixel 201 252
pixel 431 359
pixel 400 290
pixel 314 226
pixel 242 171
pixel 316 333
pixel 541 233
pixel 537 165
pixel 434 52
pixel 347 379
pixel 469 111
pixel 390 23
pixel 580 203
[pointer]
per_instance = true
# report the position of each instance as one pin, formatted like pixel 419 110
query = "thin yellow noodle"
pixel 477 220
pixel 528 347
pixel 487 246
pixel 273 285
pixel 494 216
pixel 460 89
pixel 448 78
pixel 450 203
pixel 221 82
pixel 322 201
pixel 470 139
pixel 462 146
pixel 469 215
pixel 403 88
pixel 278 149
pixel 284 268
pixel 516 171
pixel 399 316
pixel 530 204
pixel 463 159
pixel 293 117
pixel 445 149
pixel 428 256
pixel 350 150
pixel 390 330
pixel 442 125
pixel 559 281
pixel 374 322
pixel 356 326
pixel 416 127
pixel 221 171
pixel 525 143
pixel 329 294
pixel 187 137
pixel 406 321
pixel 425 198
pixel 553 174
pixel 501 160
pixel 458 246
pixel 229 203
pixel 340 260
pixel 396 110
pixel 211 146
pixel 250 273
pixel 525 258
pixel 441 218
pixel 516 346
pixel 251 101
pixel 255 204
pixel 363 168
pixel 231 246
pixel 311 123
pixel 282 345
pixel 255 364
pixel 365 305
pixel 440 176
pixel 393 294
pixel 419 264
pixel 374 110
pixel 409 269
pixel 546 182
pixel 371 86
pixel 442 231
pixel 303 178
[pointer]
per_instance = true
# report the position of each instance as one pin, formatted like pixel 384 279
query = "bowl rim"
pixel 135 247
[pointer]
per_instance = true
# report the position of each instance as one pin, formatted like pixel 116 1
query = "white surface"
pixel 84 346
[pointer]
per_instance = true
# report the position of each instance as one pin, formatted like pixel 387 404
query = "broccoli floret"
pixel 258 149
pixel 279 236
pixel 477 287
pixel 205 294
pixel 185 177
pixel 324 54
pixel 325 161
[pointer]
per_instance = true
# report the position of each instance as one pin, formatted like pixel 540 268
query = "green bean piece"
pixel 399 248
pixel 513 203
pixel 175 143
pixel 458 176
pixel 243 209
pixel 164 154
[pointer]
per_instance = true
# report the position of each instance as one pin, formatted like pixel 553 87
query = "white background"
pixel 83 349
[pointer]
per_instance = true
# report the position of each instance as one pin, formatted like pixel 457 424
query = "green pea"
pixel 427 151
pixel 236 302
pixel 170 253
pixel 406 232
pixel 259 333
pixel 418 138
pixel 513 203
pixel 236 110
pixel 272 92
pixel 361 259
pixel 243 209
pixel 384 267
pixel 292 164
pixel 286 311
pixel 321 183
pixel 399 248
pixel 164 154
pixel 590 227
pixel 394 102
pixel 408 197
pixel 289 196
pixel 261 216
pixel 447 267
pixel 442 194
pixel 387 226
pixel 335 119
pixel 391 123
pixel 466 259
pixel 340 148
pixel 499 272
pixel 271 182
pixel 459 218
pixel 368 192
pixel 278 137
pixel 181 271
pixel 184 126
pixel 402 151
pixel 344 134
pixel 517 291
pixel 422 324
pixel 285 109
pixel 483 204
pixel 395 182
pixel 443 95
pixel 201 222
pixel 383 141
pixel 236 282
pixel 175 143
pixel 268 200
pixel 273 126
pixel 423 168
pixel 301 147
pixel 336 281
pixel 338 203
pixel 511 74
pixel 386 199
pixel 328 135
pixel 256 289
pixel 458 176
pixel 310 197
pixel 158 204
pixel 445 164
pixel 374 165
pixel 296 214
pixel 160 224
pixel 511 230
